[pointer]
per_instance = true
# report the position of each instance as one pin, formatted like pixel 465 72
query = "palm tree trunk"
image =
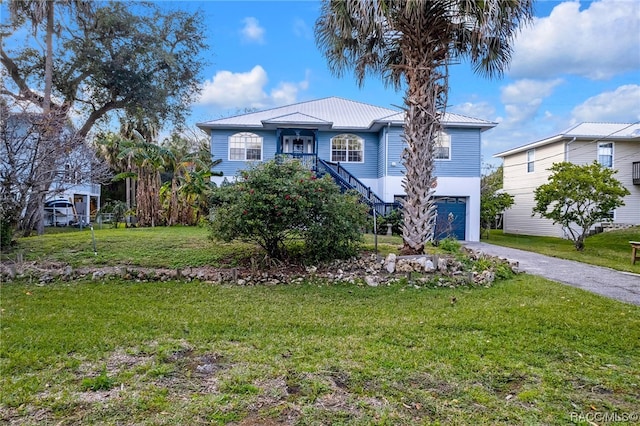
pixel 423 103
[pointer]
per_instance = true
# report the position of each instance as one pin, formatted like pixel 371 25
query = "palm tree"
pixel 412 42
pixel 196 189
pixel 147 161
pixel 189 162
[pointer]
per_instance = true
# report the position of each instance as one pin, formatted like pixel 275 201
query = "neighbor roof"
pixel 331 113
pixel 592 131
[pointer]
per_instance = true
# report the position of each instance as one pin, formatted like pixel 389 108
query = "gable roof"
pixel 331 113
pixel 587 130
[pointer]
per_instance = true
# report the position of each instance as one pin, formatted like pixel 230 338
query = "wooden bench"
pixel 635 251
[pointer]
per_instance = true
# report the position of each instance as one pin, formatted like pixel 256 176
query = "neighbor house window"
pixel 245 147
pixel 605 154
pixel 443 147
pixel 530 160
pixel 347 148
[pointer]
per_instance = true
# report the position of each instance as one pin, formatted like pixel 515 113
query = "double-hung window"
pixel 605 154
pixel 531 157
pixel 443 146
pixel 347 149
pixel 245 147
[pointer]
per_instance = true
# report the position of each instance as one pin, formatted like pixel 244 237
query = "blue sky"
pixel 578 61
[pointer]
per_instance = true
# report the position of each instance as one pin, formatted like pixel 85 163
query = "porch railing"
pixel 636 172
pixel 347 181
pixel 310 161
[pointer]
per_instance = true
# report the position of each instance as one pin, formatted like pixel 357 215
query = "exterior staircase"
pixel 346 181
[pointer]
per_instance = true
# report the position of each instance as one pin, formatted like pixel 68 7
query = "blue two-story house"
pixel 361 146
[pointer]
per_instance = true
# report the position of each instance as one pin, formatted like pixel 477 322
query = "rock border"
pixel 372 270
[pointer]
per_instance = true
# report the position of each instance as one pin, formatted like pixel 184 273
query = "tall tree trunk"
pixel 423 104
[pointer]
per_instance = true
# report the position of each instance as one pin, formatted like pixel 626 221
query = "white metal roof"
pixel 332 113
pixel 593 131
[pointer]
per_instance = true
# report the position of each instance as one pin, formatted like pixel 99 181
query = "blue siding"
pixel 220 150
pixel 382 158
pixel 396 146
pixel 366 170
pixel 465 154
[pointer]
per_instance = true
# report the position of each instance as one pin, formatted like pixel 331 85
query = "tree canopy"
pixel 579 196
pixel 493 200
pixel 115 56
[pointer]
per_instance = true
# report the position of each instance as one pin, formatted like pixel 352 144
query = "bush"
pixel 7 224
pixel 6 232
pixel 450 245
pixel 394 218
pixel 273 204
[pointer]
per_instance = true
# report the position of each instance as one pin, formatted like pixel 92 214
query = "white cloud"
pixel 247 90
pixel 483 110
pixel 621 105
pixel 523 99
pixel 301 29
pixel 597 42
pixel 252 31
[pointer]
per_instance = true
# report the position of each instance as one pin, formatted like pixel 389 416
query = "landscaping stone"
pixel 390 263
pixel 370 270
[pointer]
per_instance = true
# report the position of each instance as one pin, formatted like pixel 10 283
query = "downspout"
pixel 566 149
pixel 386 161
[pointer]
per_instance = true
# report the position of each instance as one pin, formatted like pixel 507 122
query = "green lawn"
pixel 167 247
pixel 610 249
pixel 524 351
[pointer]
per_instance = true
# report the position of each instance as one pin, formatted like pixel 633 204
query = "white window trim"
pixel 613 146
pixel 245 147
pixel 532 161
pixel 361 139
pixel 447 137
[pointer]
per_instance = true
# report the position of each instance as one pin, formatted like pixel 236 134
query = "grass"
pixel 610 249
pixel 525 351
pixel 167 247
pixel 311 353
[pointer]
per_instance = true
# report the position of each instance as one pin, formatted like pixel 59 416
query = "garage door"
pixel 452 217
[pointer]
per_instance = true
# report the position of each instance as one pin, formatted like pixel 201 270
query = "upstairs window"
pixel 443 146
pixel 347 149
pixel 605 154
pixel 245 147
pixel 531 157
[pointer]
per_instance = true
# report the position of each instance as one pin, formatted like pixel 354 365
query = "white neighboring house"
pixel 77 204
pixel 614 145
pixel 72 198
pixel 72 186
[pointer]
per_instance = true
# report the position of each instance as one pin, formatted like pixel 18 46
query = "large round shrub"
pixel 275 203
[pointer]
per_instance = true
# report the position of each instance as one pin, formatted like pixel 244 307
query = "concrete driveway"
pixel 623 286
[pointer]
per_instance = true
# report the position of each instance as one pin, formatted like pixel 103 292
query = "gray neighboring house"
pixel 360 146
pixel 614 145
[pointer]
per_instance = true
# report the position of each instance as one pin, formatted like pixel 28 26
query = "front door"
pixel 295 144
